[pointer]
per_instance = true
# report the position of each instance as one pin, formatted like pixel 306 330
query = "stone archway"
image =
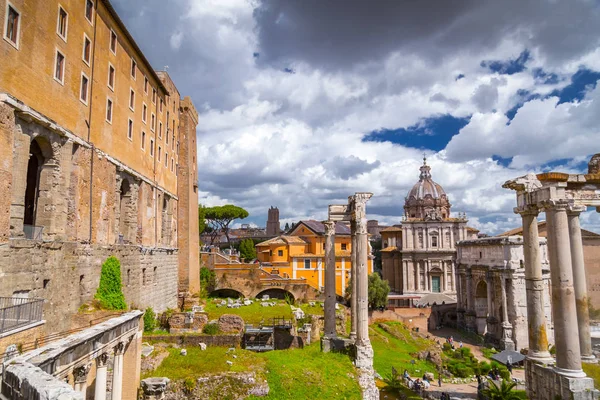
pixel 227 293
pixel 276 293
pixel 481 307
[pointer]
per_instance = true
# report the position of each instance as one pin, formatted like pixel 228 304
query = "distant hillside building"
pixel 273 226
pixel 418 255
pixel 301 254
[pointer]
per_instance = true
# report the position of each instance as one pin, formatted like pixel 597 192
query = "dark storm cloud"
pixel 341 33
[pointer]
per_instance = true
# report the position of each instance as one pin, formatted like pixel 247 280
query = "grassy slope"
pixel 395 350
pixel 310 374
pixel 252 314
pixel 593 371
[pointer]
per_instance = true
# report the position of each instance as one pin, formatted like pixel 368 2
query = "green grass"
pixel 593 371
pixel 252 314
pixel 488 352
pixel 312 310
pixel 395 349
pixel 212 360
pixel 310 374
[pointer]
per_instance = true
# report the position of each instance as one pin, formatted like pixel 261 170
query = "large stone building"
pixel 98 158
pixel 491 297
pixel 301 255
pixel 418 255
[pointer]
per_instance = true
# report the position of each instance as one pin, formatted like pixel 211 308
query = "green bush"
pixel 109 292
pixel 210 329
pixel 502 370
pixel 149 320
pixel 208 281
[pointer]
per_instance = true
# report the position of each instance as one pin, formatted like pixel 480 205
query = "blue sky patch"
pixel 580 82
pixel 431 133
pixel 505 162
pixel 508 67
pixel 546 78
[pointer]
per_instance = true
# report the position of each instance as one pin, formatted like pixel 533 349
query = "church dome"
pixel 427 199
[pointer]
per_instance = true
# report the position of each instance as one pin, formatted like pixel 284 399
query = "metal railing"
pixel 17 312
pixel 33 232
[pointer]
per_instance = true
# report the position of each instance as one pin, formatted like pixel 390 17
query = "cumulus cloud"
pixel 288 90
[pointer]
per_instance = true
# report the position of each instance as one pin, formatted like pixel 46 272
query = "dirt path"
pixel 444 333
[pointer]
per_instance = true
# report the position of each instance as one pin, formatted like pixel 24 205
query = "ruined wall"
pixel 66 275
pixel 7 127
pixel 591 253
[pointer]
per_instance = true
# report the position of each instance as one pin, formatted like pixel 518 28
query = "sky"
pixel 303 103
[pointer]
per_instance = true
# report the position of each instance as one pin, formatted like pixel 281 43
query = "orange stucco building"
pixel 301 254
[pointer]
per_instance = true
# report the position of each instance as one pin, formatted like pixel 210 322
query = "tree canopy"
pixel 201 219
pixel 378 291
pixel 247 249
pixel 220 217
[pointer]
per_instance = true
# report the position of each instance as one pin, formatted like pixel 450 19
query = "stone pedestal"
pixel 506 343
pixel 154 388
pixel 544 383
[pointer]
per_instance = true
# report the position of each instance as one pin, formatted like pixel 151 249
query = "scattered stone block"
pixel 229 363
pixel 183 352
pixel 230 323
pixel 147 349
pixel 196 309
pixel 265 297
pixel 247 302
pixel 202 346
pixel 312 303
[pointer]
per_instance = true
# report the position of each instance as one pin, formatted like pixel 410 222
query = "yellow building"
pixel 301 254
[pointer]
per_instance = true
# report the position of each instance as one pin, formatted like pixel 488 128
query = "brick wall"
pixel 66 275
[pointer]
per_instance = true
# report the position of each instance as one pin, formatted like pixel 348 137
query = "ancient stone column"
pixel 534 286
pixel 354 297
pixel 566 333
pixel 444 276
pixel 80 376
pixel 489 280
pixel 101 366
pixel 579 281
pixel 117 384
pixel 364 357
pixel 330 279
pixel 506 342
pixel 418 276
pixel 154 388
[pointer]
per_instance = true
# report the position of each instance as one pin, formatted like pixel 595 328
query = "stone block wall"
pixel 66 275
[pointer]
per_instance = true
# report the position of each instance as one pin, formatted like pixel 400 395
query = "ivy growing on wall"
pixel 109 292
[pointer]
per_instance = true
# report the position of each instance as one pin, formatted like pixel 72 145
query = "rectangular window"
pixel 280 253
pixel 166 160
pixel 133 68
pixel 161 105
pixel 61 26
pixel 160 130
pixel 159 151
pixel 344 246
pixel 131 99
pixel 109 106
pixel 153 96
pixel 111 77
pixel 151 147
pixel 12 26
pixel 434 241
pixel 83 94
pixel 59 67
pixel 306 263
pixel 130 130
pixel 87 49
pixel 168 116
pixel 146 85
pixel 144 112
pixel 89 10
pixel 173 144
pixel 153 122
pixel 172 165
pixel 166 136
pixel 113 41
pixel 143 140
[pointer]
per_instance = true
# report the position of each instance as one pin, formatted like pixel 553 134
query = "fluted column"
pixel 80 377
pixel 354 297
pixel 534 286
pixel 330 279
pixel 580 284
pixel 418 275
pixel 507 329
pixel 101 366
pixel 117 385
pixel 566 333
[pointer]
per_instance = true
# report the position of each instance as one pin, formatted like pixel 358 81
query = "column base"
pixel 541 357
pixel 589 359
pixel 336 345
pixel 570 373
pixel 507 344
pixel 363 356
pixel 545 383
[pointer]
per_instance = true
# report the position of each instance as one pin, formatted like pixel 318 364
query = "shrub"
pixel 109 292
pixel 149 320
pixel 394 382
pixel 210 329
pixel 289 299
pixel 208 281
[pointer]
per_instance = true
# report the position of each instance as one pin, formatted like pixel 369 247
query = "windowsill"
pixel 86 62
pixel 61 82
pixel 15 45
pixel 112 88
pixel 63 38
pixel 132 109
pixel 84 102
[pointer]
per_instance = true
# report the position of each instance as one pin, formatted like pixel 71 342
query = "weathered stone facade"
pixel 491 278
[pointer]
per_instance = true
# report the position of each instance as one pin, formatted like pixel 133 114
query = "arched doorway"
pixel 226 293
pixel 275 293
pixel 124 199
pixel 481 307
pixel 39 153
